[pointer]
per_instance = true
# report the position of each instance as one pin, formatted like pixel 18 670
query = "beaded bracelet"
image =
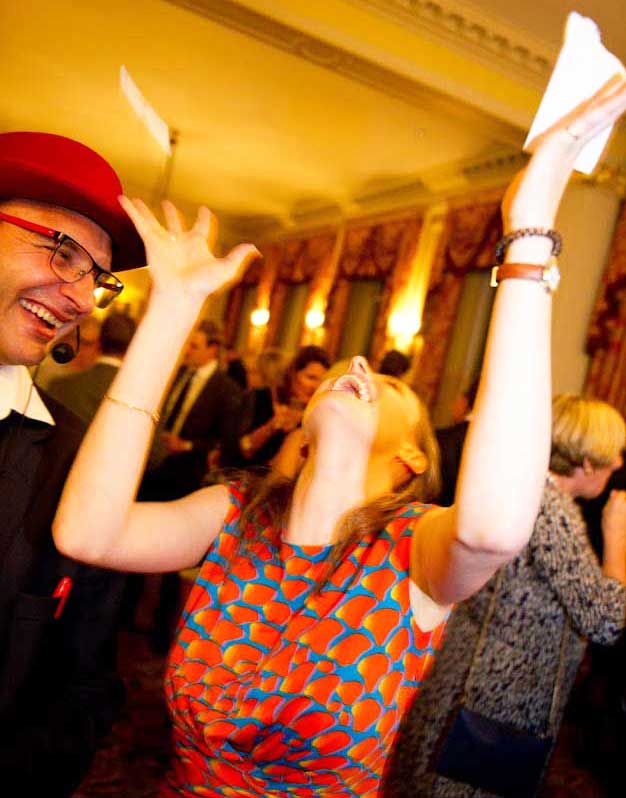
pixel 504 243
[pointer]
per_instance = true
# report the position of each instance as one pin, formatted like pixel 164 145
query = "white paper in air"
pixel 156 126
pixel 584 64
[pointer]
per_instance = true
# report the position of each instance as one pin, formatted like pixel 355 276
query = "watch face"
pixel 552 277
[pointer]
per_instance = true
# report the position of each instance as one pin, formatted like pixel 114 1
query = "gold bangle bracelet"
pixel 154 417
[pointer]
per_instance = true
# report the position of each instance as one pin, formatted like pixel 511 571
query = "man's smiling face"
pixel 36 306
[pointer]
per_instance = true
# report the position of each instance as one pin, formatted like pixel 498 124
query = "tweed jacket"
pixel 554 586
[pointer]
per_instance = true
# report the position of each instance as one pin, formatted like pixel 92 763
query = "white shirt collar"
pixel 17 391
pixel 198 381
pixel 204 372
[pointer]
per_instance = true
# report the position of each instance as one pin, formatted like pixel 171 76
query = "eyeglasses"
pixel 71 262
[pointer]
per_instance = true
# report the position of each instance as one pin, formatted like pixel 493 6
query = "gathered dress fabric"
pixel 554 586
pixel 278 690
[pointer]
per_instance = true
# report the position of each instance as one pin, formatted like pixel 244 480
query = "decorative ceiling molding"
pixel 349 65
pixel 464 30
pixel 389 197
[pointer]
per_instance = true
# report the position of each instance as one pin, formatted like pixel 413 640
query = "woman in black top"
pixel 273 411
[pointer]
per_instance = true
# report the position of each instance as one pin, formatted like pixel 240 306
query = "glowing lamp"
pixel 314 319
pixel 259 317
pixel 403 324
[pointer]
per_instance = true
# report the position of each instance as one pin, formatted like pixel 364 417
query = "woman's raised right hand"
pixel 533 198
pixel 182 263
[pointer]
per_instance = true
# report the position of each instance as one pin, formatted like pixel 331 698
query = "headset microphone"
pixel 64 352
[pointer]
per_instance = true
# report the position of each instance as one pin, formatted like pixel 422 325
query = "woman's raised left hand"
pixel 182 263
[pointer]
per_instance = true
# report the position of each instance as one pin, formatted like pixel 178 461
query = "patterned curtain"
pixel 235 301
pixel 467 243
pixel 298 262
pixel 283 263
pixel 606 342
pixel 385 251
pixel 376 252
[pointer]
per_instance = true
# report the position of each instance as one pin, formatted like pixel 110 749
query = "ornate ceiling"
pixel 292 113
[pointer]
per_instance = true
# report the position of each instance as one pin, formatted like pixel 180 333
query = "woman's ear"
pixel 413 458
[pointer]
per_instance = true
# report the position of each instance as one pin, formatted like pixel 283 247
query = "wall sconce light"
pixel 259 317
pixel 404 324
pixel 314 319
pixel 403 327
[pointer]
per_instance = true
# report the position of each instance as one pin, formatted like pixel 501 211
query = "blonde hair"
pixel 272 495
pixel 584 428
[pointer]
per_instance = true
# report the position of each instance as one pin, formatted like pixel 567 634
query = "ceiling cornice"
pixel 348 64
pixel 465 178
pixel 465 31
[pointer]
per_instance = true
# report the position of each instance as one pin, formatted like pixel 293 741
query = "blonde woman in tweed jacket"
pixel 555 586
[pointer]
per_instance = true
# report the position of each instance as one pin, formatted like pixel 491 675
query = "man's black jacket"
pixel 59 691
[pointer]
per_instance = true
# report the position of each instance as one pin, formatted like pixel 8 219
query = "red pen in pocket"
pixel 62 592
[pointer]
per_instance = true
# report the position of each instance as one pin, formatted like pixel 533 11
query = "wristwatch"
pixel 549 274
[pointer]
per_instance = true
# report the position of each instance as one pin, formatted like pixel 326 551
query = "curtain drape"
pixel 468 243
pixel 380 252
pixel 384 251
pixel 606 341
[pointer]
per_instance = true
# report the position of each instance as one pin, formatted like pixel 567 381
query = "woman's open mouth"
pixel 355 385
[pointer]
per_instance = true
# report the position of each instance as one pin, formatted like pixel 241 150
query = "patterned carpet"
pixel 134 758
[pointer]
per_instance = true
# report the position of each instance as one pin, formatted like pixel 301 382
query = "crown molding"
pixel 382 198
pixel 348 64
pixel 462 29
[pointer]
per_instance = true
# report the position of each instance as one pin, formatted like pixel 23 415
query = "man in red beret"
pixel 62 235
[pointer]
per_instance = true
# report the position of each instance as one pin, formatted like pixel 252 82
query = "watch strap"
pixel 525 271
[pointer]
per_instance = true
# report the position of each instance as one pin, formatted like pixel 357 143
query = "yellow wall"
pixel 586 220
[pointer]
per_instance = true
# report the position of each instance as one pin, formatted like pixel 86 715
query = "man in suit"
pixel 61 232
pixel 200 414
pixel 83 392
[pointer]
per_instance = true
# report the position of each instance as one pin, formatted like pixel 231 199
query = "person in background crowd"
pixel 275 409
pixel 395 364
pixel 319 605
pixel 236 370
pixel 200 413
pixel 260 407
pixel 83 392
pixel 552 597
pixel 451 440
pixel 87 354
pixel 61 232
pixel 599 707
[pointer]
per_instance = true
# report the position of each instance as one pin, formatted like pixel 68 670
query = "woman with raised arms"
pixel 317 610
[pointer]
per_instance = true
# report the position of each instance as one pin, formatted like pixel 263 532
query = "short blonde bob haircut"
pixel 584 428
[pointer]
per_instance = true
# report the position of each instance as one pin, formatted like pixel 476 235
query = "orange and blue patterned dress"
pixel 278 691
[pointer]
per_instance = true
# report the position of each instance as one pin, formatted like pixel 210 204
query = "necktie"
pixel 184 383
